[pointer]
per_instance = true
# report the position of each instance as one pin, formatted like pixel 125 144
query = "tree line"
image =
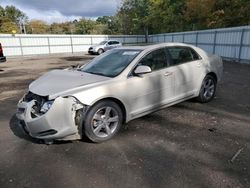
pixel 139 17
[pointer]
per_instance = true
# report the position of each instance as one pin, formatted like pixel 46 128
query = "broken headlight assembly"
pixel 46 106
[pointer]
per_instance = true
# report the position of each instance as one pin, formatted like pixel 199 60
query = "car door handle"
pixel 168 73
pixel 198 63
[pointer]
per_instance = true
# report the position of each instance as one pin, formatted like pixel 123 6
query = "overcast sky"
pixel 62 10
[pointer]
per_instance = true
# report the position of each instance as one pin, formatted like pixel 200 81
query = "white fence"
pixel 232 43
pixel 50 44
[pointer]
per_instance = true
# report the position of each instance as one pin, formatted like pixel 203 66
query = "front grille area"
pixel 39 101
pixel 31 96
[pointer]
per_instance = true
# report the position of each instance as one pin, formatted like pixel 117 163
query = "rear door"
pixel 187 70
pixel 109 45
pixel 112 44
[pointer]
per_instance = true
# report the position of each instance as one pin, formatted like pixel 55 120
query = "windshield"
pixel 103 42
pixel 111 63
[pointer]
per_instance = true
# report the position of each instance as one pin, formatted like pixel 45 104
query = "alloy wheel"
pixel 105 122
pixel 208 88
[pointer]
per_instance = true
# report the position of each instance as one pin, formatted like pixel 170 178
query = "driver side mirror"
pixel 142 69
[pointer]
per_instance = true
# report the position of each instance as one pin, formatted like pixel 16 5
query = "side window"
pixel 116 42
pixel 110 42
pixel 195 55
pixel 155 60
pixel 182 54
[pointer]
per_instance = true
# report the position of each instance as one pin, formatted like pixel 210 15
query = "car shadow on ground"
pixel 15 127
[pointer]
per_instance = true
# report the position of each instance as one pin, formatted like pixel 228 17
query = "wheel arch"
pixel 120 104
pixel 213 74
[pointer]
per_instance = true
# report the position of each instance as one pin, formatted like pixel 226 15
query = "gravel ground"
pixel 187 145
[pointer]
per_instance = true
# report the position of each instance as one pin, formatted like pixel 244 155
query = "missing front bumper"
pixel 57 123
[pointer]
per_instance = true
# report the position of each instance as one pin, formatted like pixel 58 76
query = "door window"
pixel 182 55
pixel 155 60
pixel 110 43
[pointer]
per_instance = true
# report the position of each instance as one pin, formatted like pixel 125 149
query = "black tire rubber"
pixel 201 97
pixel 88 131
pixel 100 51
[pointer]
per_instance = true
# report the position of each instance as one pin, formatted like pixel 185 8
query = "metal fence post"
pixel 164 38
pixel 49 45
pixel 71 43
pixel 196 38
pixel 172 37
pixel 214 44
pixel 21 46
pixel 183 36
pixel 91 39
pixel 241 44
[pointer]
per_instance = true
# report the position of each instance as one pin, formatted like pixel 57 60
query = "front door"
pixel 154 89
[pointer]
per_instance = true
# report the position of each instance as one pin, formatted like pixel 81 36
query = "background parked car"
pixel 104 46
pixel 2 57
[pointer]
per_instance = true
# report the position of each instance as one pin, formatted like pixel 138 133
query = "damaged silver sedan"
pixel 114 88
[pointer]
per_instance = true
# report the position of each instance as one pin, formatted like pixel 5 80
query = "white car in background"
pixel 104 46
pixel 115 88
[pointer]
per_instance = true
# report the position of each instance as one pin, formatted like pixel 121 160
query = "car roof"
pixel 112 40
pixel 154 46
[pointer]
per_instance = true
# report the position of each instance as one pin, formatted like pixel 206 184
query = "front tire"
pixel 100 51
pixel 103 121
pixel 208 89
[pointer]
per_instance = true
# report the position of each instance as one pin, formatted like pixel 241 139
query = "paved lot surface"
pixel 187 145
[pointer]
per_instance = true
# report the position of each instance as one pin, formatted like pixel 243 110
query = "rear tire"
pixel 103 121
pixel 208 89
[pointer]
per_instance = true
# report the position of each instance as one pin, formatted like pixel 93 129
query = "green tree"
pixel 63 28
pixel 38 27
pixel 231 13
pixel 15 15
pixel 2 12
pixel 110 24
pixel 84 26
pixel 7 26
pixel 166 15
pixel 198 12
pixel 56 28
pixel 10 19
pixel 207 14
pixel 155 16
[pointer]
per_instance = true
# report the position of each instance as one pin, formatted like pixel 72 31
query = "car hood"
pixel 63 81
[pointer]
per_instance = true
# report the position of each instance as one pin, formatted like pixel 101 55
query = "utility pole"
pixel 22 27
pixel 146 34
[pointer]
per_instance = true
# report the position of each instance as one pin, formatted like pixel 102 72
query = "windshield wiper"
pixel 97 73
